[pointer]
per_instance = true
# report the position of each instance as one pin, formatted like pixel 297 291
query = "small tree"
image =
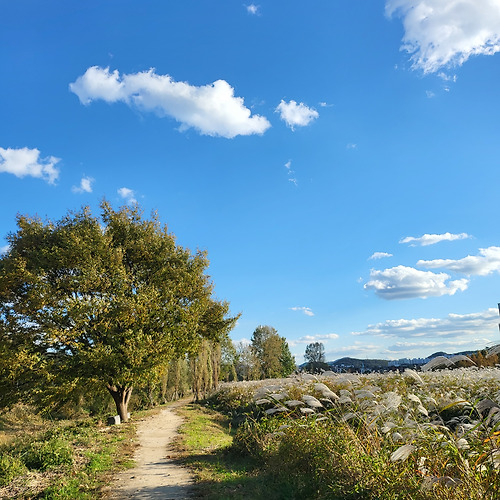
pixel 102 300
pixel 315 353
pixel 246 363
pixel 315 358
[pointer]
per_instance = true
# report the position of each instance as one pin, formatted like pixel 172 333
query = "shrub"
pixel 43 455
pixel 10 467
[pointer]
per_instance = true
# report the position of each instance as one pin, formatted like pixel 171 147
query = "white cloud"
pixel 403 282
pixel 210 109
pixel 306 310
pixel 296 115
pixel 253 9
pixel 128 195
pixel 27 162
pixel 4 249
pixel 351 145
pixel 360 349
pixel 430 94
pixel 288 166
pixel 440 345
pixel 309 339
pixel 447 78
pixel 445 33
pixel 85 185
pixel 487 262
pixel 432 239
pixel 453 325
pixel 380 255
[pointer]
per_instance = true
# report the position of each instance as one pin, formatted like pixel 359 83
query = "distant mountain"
pixel 360 363
pixel 363 365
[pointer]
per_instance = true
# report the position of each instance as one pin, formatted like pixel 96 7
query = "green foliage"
pixel 363 436
pixel 287 361
pixel 66 490
pixel 100 461
pixel 315 353
pixel 43 455
pixel 229 359
pixel 246 364
pixel 272 353
pixel 11 466
pixel 256 439
pixel 60 459
pixel 108 300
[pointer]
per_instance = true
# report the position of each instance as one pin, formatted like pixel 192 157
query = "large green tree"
pixel 108 299
pixel 272 353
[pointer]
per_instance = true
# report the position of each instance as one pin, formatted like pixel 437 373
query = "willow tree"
pixel 107 299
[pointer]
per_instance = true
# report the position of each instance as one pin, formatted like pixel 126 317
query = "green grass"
pixel 221 471
pixel 60 459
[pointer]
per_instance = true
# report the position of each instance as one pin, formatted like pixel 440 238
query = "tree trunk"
pixel 121 397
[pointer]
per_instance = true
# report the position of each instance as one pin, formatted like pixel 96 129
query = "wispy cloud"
pixel 253 9
pixel 453 325
pixel 290 172
pixel 432 239
pixel 403 282
pixel 446 33
pixel 4 249
pixel 211 109
pixel 128 195
pixel 85 185
pixel 487 262
pixel 296 115
pixel 25 162
pixel 351 145
pixel 380 255
pixel 306 310
pixel 358 349
pixel 438 345
pixel 309 339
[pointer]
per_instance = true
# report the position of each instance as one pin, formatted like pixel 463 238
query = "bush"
pixel 43 455
pixel 10 467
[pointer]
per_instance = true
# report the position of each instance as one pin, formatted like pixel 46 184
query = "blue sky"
pixel 338 160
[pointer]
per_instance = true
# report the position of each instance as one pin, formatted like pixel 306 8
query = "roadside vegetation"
pixel 433 435
pixel 222 471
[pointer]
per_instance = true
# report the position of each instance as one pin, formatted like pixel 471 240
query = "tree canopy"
pixel 272 353
pixel 315 358
pixel 106 299
pixel 315 353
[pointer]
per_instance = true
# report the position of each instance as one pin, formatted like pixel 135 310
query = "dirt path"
pixel 156 475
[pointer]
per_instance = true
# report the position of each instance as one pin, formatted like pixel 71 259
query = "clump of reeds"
pixel 438 433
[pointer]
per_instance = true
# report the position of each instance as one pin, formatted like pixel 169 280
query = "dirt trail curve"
pixel 155 475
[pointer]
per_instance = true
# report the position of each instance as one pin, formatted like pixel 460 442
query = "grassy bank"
pixel 222 471
pixel 65 459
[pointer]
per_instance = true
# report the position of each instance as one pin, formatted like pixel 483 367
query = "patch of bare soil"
pixel 156 474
